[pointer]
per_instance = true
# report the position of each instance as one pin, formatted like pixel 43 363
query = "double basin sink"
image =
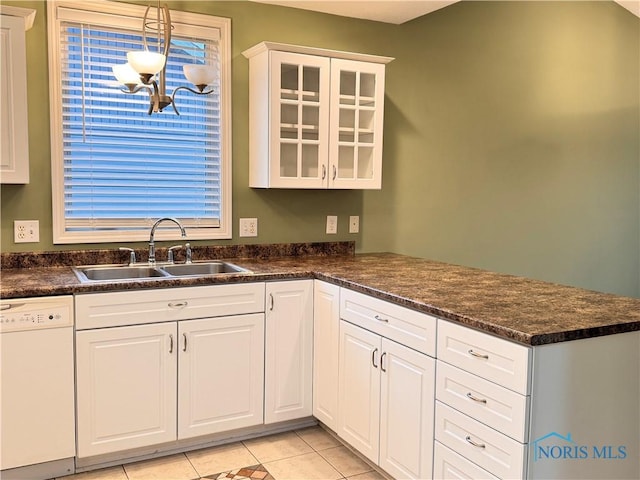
pixel 103 273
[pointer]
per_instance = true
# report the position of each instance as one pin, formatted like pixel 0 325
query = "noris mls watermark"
pixel 554 446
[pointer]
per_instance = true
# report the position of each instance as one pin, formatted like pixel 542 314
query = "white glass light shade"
pixel 146 62
pixel 199 74
pixel 125 74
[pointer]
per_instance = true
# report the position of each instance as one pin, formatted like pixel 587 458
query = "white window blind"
pixel 121 168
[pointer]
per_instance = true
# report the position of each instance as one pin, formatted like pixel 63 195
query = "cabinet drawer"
pixel 501 361
pixel 407 327
pixel 448 465
pixel 493 405
pixel 98 310
pixel 491 450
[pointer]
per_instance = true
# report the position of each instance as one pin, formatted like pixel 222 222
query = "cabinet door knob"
pixel 476 399
pixel 373 358
pixel 478 355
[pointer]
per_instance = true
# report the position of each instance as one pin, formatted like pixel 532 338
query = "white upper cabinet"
pixel 355 129
pixel 14 139
pixel 315 118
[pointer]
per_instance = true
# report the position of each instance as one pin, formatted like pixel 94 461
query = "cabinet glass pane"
pixel 365 162
pixel 367 89
pixel 346 161
pixel 365 120
pixel 311 84
pixel 288 160
pixel 347 88
pixel 365 136
pixel 289 81
pixel 288 121
pixel 346 136
pixel 310 167
pixel 347 118
pixel 310 122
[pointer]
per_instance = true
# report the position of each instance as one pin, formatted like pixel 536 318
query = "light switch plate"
pixel 354 224
pixel 332 224
pixel 26 231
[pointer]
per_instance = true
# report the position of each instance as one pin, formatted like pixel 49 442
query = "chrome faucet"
pixel 152 245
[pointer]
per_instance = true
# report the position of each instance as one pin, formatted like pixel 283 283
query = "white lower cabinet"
pixel 359 387
pixel 448 465
pixel 126 387
pixel 479 443
pixel 134 382
pixel 217 355
pixel 326 340
pixel 386 402
pixel 140 384
pixel 288 350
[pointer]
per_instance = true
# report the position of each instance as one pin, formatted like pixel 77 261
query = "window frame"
pixel 129 15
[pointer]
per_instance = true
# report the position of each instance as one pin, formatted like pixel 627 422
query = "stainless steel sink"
pixel 117 272
pixel 105 273
pixel 208 268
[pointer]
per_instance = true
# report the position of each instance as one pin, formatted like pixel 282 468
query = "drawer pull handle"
pixel 373 358
pixel 381 319
pixel 478 355
pixel 476 399
pixel 479 445
pixel 178 304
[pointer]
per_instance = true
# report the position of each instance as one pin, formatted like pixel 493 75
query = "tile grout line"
pixel 192 466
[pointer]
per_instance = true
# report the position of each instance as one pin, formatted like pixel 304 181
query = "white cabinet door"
pixel 316 117
pixel 326 341
pixel 126 387
pixel 359 389
pixel 220 381
pixel 288 350
pixel 299 120
pixel 356 124
pixel 14 140
pixel 406 411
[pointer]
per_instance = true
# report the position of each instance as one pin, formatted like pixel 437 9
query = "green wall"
pixel 512 139
pixel 516 143
pixel 283 215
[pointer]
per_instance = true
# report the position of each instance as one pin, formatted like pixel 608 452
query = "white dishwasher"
pixel 37 415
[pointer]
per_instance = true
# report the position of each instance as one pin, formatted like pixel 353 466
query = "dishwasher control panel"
pixel 35 313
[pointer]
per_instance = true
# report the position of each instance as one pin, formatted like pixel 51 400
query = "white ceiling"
pixel 390 11
pixel 394 11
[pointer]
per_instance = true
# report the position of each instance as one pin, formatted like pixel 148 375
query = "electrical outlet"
pixel 332 224
pixel 26 231
pixel 354 224
pixel 248 227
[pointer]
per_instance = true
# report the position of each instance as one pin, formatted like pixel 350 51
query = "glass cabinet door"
pixel 300 120
pixel 356 124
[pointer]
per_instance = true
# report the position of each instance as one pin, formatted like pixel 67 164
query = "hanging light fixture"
pixel 146 70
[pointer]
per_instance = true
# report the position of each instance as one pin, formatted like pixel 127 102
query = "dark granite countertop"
pixel 523 310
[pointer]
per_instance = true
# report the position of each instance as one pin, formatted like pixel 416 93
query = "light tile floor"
pixel 306 454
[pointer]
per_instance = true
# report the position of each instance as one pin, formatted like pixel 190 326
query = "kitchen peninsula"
pixel 561 362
